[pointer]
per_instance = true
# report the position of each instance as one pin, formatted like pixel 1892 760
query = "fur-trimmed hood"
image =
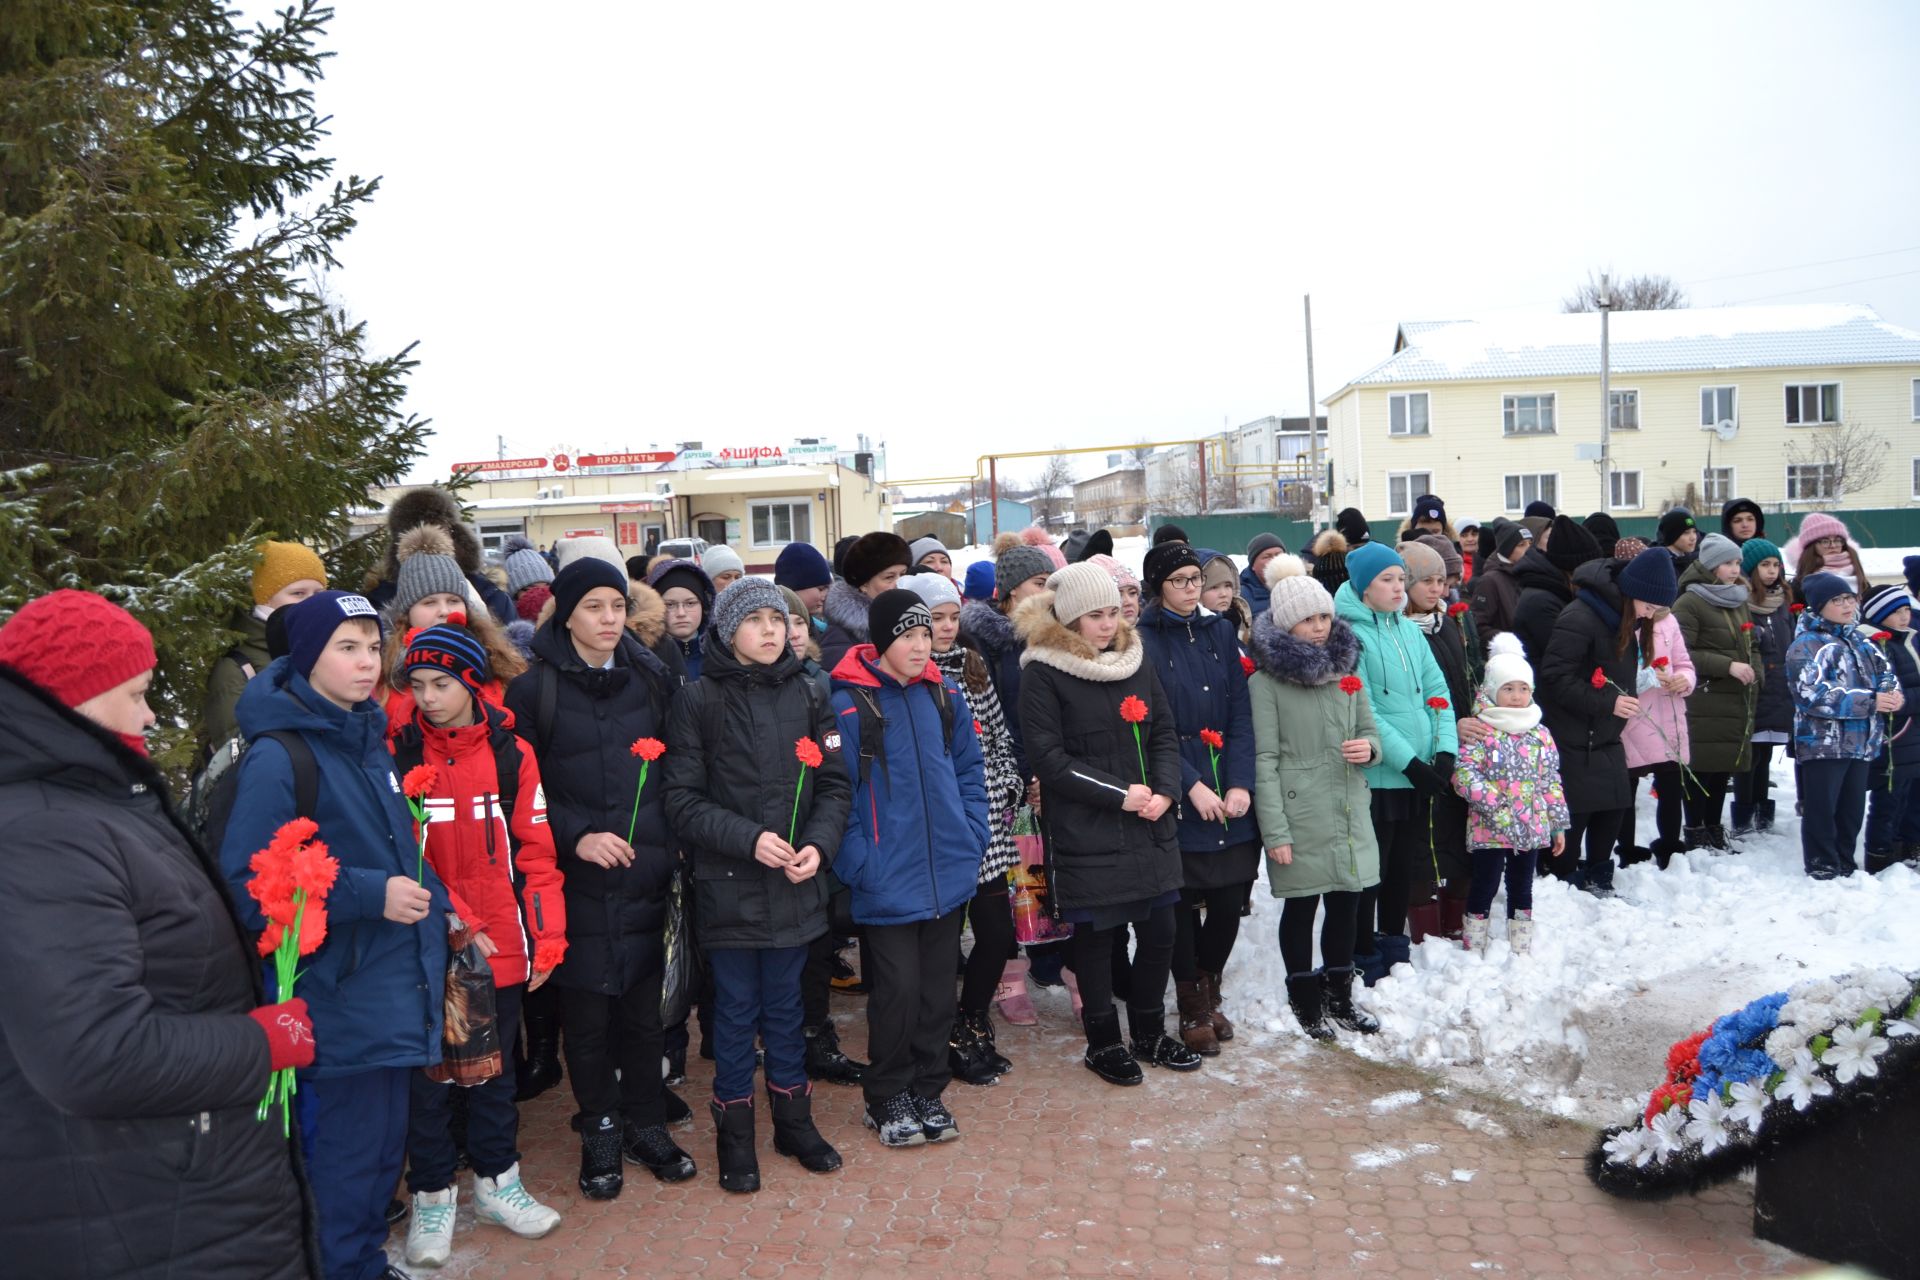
pixel 434 506
pixel 646 617
pixel 1053 643
pixel 846 607
pixel 986 628
pixel 1284 657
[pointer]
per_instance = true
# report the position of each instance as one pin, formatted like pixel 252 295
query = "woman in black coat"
pixel 1592 659
pixel 1446 816
pixel 594 689
pixel 1113 855
pixel 133 1048
pixel 1773 625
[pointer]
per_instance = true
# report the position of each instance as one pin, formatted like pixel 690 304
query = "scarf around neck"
pixel 1514 720
pixel 1775 596
pixel 1428 622
pixel 1727 595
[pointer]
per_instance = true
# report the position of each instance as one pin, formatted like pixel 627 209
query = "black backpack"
pixel 873 725
pixel 214 789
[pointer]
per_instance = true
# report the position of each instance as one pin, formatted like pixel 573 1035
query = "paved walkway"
pixel 1275 1159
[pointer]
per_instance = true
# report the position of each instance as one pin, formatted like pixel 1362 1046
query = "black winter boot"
pixel 1304 995
pixel 733 1143
pixel 1106 1056
pixel 966 1056
pixel 538 1068
pixel 1694 838
pixel 826 1062
pixel 1741 820
pixel 1153 1046
pixel 1336 988
pixel 600 1176
pixel 1763 816
pixel 1717 838
pixel 793 1130
pixel 981 1023
pixel 660 1154
pixel 1878 862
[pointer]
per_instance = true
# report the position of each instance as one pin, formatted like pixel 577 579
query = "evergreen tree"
pixel 174 386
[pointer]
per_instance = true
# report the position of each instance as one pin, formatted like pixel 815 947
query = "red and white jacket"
pixel 499 868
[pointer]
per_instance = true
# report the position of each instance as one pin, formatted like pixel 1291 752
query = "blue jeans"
pixel 1833 798
pixel 493 1118
pixel 756 992
pixel 354 1129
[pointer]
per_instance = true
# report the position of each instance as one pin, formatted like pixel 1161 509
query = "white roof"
pixel 1697 338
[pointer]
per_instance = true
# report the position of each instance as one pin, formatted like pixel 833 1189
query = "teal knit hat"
pixel 1368 561
pixel 1754 550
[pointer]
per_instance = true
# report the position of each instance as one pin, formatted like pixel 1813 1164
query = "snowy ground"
pixel 1582 1025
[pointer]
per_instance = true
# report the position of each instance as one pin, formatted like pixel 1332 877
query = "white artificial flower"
pixel 1850 1004
pixel 1749 1104
pixel 1853 1052
pixel 1708 1126
pixel 1633 1145
pixel 1784 1042
pixel 1818 989
pixel 1899 1027
pixel 1667 1130
pixel 1815 1015
pixel 1803 1083
pixel 1885 985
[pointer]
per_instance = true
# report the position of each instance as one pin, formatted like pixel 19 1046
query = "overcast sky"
pixel 1015 226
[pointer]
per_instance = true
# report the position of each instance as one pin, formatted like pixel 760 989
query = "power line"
pixel 1841 284
pixel 1827 262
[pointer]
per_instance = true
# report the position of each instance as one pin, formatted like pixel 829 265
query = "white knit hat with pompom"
pixel 1296 596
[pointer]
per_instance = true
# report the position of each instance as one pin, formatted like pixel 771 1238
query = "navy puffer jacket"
pixel 1198 661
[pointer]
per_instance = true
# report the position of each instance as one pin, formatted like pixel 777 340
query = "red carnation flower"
pixel 419 782
pixel 1213 739
pixel 1246 664
pixel 648 749
pixel 1746 626
pixel 1797 607
pixel 1881 637
pixel 807 752
pixel 1659 664
pixel 1132 709
pixel 1457 608
pixel 1599 678
pixel 1438 704
pixel 1350 685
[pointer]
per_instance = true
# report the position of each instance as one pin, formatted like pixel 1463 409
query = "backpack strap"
pixel 873 731
pixel 545 706
pixel 506 768
pixel 239 660
pixel 306 771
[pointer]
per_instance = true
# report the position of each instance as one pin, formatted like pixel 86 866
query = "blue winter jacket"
pixel 918 827
pixel 375 988
pixel 1834 672
pixel 1198 661
pixel 1254 591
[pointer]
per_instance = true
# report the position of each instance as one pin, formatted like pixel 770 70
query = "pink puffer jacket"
pixel 1662 713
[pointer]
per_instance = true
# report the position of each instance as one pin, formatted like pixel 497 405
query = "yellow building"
pixel 1790 406
pixel 756 509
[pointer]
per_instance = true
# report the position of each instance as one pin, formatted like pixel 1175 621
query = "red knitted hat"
pixel 532 601
pixel 76 645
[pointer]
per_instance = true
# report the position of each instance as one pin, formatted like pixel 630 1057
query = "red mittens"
pixel 289 1033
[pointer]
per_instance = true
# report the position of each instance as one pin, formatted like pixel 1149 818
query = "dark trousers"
pixel 1669 807
pixel 1751 789
pixel 991 916
pixel 1336 932
pixel 1403 851
pixel 493 1119
pixel 1833 797
pixel 354 1129
pixel 1090 956
pixel 1707 798
pixel 1202 944
pixel 1518 865
pixel 1600 830
pixel 816 981
pixel 756 992
pixel 910 1006
pixel 605 1033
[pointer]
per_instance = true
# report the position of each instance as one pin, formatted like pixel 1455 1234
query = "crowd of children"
pixel 612 765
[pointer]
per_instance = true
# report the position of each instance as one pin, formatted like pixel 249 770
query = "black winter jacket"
pixel 1098 855
pixel 1494 594
pixel 1593 763
pixel 990 632
pixel 721 795
pixel 616 916
pixel 1197 660
pixel 1906 733
pixel 1772 633
pixel 129 1070
pixel 1447 853
pixel 1543 594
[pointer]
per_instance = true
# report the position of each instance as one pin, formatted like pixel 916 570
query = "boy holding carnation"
pixel 487 838
pixel 375 986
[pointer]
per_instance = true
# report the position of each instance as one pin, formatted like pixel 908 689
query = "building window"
pixel 1544 487
pixel 1916 399
pixel 1624 487
pixel 1407 414
pixel 1916 479
pixel 1623 412
pixel 1716 484
pixel 774 524
pixel 1810 404
pixel 1403 487
pixel 1810 482
pixel 493 533
pixel 1528 415
pixel 1717 405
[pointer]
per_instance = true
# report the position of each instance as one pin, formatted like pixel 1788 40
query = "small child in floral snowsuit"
pixel 1518 810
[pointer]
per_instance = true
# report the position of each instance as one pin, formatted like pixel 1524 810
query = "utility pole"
pixel 1313 426
pixel 1606 402
pixel 503 447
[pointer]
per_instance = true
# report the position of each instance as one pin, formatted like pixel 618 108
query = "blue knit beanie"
pixel 312 622
pixel 1368 561
pixel 1649 577
pixel 1819 589
pixel 452 651
pixel 800 565
pixel 980 580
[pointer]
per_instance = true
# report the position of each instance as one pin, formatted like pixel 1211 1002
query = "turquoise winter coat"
pixel 1397 666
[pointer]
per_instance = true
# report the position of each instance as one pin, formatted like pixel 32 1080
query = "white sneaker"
pixel 1520 932
pixel 430 1229
pixel 504 1202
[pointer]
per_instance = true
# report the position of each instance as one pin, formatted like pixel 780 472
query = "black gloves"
pixel 1435 779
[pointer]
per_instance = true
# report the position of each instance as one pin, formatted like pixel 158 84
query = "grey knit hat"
pixel 741 598
pixel 720 559
pixel 427 567
pixel 921 548
pixel 525 566
pixel 1016 564
pixel 1295 594
pixel 1715 550
pixel 1080 589
pixel 934 588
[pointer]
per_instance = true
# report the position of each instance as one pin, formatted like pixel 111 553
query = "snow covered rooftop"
pixel 1699 338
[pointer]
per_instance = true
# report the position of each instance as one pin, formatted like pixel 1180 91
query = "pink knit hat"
pixel 1121 577
pixel 1820 525
pixel 1037 538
